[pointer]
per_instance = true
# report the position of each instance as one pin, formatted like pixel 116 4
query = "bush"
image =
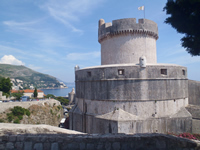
pixel 28 112
pixel 62 100
pixel 20 117
pixel 17 121
pixel 10 117
pixel 1 120
pixel 18 111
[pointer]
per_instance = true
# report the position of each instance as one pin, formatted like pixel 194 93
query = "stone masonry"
pixel 130 92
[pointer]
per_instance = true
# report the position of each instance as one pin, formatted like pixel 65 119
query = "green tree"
pixel 17 95
pixel 35 93
pixel 62 100
pixel 5 85
pixel 50 95
pixel 185 18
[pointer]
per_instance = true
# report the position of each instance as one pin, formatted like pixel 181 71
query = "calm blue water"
pixel 57 92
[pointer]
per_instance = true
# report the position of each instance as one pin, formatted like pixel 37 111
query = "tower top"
pixel 125 41
pixel 127 25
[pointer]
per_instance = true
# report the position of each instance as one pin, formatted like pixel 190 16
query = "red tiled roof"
pixel 25 91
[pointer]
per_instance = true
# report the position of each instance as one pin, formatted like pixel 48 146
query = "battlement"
pixel 127 26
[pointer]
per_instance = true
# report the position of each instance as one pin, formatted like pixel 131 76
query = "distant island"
pixel 26 78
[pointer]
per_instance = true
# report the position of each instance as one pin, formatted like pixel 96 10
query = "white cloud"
pixel 10 59
pixel 70 10
pixel 83 56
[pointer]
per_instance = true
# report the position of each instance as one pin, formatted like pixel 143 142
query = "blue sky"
pixel 52 36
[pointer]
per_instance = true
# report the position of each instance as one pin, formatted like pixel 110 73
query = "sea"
pixel 58 92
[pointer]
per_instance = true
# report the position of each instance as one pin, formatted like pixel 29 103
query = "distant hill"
pixel 24 77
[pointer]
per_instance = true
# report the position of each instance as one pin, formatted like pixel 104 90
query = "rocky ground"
pixel 46 112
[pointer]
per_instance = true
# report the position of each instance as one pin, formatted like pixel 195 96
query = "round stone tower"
pixel 130 92
pixel 124 41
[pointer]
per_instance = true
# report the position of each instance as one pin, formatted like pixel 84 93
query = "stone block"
pixel 19 145
pixel 38 146
pixel 54 146
pixel 74 146
pixel 9 145
pixel 107 146
pixel 116 145
pixel 90 146
pixel 47 146
pixel 82 146
pixel 28 145
pixel 12 138
pixel 2 146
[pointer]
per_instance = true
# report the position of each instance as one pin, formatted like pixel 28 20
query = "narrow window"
pixel 121 72
pixel 163 71
pixel 89 74
pixel 183 71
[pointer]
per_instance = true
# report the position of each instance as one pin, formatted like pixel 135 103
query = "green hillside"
pixel 25 77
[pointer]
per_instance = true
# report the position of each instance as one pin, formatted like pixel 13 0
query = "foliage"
pixel 5 85
pixel 17 121
pixel 17 112
pixel 1 120
pixel 50 95
pixel 185 18
pixel 10 117
pixel 35 93
pixel 18 95
pixel 62 100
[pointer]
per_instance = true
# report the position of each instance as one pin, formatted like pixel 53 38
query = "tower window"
pixel 89 74
pixel 121 72
pixel 163 71
pixel 183 71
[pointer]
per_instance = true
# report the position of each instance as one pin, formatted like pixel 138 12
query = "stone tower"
pixel 130 92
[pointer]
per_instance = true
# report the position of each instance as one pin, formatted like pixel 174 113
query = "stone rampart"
pixel 7 105
pixel 194 92
pixel 95 142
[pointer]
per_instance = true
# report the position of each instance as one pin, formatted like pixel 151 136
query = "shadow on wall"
pixel 100 142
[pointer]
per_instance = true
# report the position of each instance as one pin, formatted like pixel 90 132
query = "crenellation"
pixel 127 25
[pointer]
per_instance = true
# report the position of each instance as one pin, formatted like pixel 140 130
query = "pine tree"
pixel 35 93
pixel 185 18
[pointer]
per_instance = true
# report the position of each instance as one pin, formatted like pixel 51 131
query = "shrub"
pixel 17 121
pixel 1 120
pixel 10 117
pixel 20 117
pixel 28 112
pixel 51 111
pixel 18 111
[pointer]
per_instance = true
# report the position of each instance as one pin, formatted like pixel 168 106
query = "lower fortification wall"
pixel 97 142
pixel 5 106
pixel 194 92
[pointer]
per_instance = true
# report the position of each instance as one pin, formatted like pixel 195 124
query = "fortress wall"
pixel 97 142
pixel 194 92
pixel 6 105
pixel 128 48
pixel 106 83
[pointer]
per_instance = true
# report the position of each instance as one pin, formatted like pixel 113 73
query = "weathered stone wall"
pixel 7 105
pixel 149 97
pixel 95 142
pixel 194 92
pixel 195 111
